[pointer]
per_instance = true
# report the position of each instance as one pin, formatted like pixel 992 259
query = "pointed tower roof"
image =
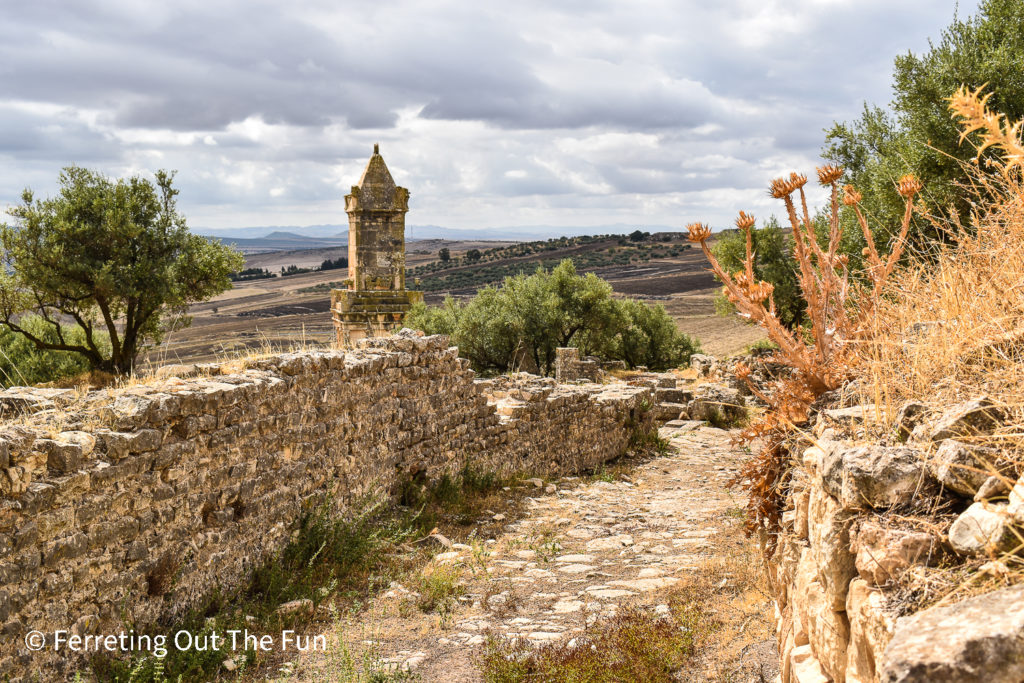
pixel 377 188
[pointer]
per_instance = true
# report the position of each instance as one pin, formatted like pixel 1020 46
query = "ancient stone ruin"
pixel 202 475
pixel 375 299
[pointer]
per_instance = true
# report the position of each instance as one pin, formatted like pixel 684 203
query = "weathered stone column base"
pixel 369 313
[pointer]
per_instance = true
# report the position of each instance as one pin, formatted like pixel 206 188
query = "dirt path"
pixel 585 548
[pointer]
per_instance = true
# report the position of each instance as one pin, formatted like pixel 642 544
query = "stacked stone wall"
pixel 125 506
pixel 871 527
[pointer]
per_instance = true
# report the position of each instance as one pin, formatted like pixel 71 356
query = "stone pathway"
pixel 584 548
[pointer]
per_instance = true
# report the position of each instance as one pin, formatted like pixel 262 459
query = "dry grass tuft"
pixel 951 325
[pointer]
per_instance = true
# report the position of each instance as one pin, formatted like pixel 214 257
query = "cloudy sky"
pixel 538 112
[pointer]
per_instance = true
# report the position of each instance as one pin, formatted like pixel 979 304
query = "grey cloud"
pixel 459 93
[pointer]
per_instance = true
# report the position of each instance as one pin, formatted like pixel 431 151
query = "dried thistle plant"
pixel 837 308
pixel 823 276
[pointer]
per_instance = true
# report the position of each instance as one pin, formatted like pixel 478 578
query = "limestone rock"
pixel 979 640
pixel 62 456
pixel 964 467
pixel 1016 502
pixel 883 553
pixel 717 404
pixel 871 629
pixel 703 364
pixel 993 487
pixel 977 416
pixel 805 668
pixel 180 370
pixel 85 440
pixel 984 528
pixel 849 416
pixel 910 416
pixel 874 476
pixel 829 541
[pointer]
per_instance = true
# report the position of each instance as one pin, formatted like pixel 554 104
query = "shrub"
pixel 22 363
pixel 649 337
pixel 535 314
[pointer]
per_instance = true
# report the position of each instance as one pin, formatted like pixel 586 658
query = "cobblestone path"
pixel 585 547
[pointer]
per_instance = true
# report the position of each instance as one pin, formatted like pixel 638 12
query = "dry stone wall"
pixel 864 521
pixel 121 507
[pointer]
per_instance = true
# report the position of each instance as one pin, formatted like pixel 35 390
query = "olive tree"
pixel 113 258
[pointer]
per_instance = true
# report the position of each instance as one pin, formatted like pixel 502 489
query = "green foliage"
pixel 535 314
pixel 773 262
pixel 444 254
pixel 294 270
pixel 22 363
pixel 473 255
pixel 334 264
pixel 115 257
pixel 916 134
pixel 649 337
pixel 251 274
pixel 497 263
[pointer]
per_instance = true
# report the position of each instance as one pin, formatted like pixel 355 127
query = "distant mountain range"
pixel 278 238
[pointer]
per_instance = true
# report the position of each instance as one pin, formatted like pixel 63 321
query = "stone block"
pixel 971 418
pixel 964 467
pixel 875 476
pixel 978 640
pixel 985 528
pixel 829 542
pixel 871 629
pixel 884 553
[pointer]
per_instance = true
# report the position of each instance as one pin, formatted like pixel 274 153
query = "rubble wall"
pixel 123 506
pixel 868 519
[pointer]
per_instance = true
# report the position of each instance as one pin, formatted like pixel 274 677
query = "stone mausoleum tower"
pixel 375 301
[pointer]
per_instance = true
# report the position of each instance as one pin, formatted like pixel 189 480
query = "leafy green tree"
pixel 22 363
pixel 445 255
pixel 473 255
pixel 772 263
pixel 650 337
pixel 638 236
pixel 113 256
pixel 538 313
pixel 916 134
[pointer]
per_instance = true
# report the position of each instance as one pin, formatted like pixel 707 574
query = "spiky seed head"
pixel 699 232
pixel 908 186
pixel 745 221
pixel 829 173
pixel 742 370
pixel 780 188
pixel 851 196
pixel 797 180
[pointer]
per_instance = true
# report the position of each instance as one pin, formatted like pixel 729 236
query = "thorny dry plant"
pixel 838 308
